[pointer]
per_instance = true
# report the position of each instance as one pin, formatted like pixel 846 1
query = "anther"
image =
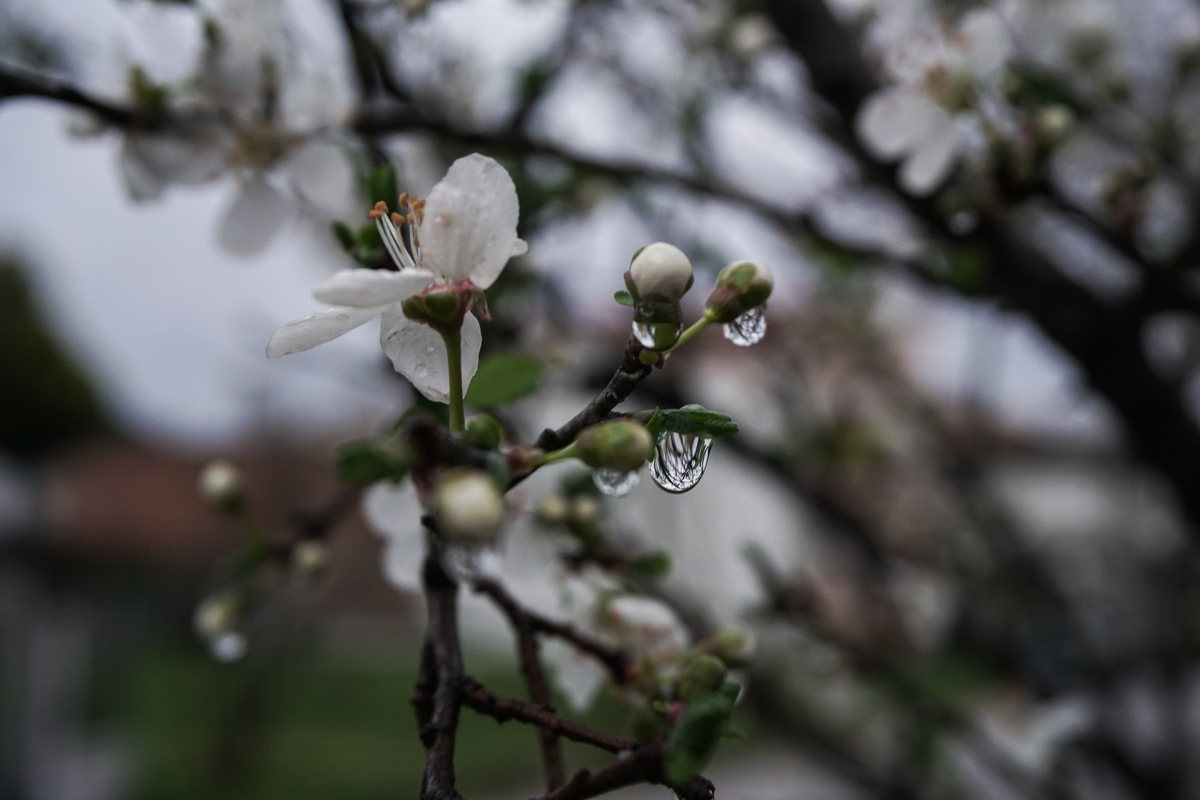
pixel 403 199
pixel 397 219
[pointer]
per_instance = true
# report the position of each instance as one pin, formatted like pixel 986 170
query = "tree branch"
pixel 503 709
pixel 439 731
pixel 643 765
pixel 615 659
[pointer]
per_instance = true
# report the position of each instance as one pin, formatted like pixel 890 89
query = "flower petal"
pixel 393 512
pixel 318 328
pixel 931 164
pixel 894 122
pixel 254 218
pixel 368 288
pixel 985 41
pixel 323 177
pixel 470 226
pixel 419 354
pixel 576 674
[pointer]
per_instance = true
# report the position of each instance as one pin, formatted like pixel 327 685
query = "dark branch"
pixel 17 82
pixel 643 765
pixel 441 640
pixel 613 658
pixel 503 709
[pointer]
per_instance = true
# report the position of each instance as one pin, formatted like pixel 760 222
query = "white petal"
pixel 368 288
pixel 394 512
pixel 254 218
pixel 419 354
pixel 894 122
pixel 520 247
pixel 576 674
pixel 318 328
pixel 470 227
pixel 323 177
pixel 932 163
pixel 984 40
pixel 151 162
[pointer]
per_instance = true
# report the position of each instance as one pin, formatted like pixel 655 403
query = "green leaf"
pixel 654 564
pixel 383 186
pixel 693 739
pixel 503 378
pixel 691 419
pixel 623 297
pixel 370 460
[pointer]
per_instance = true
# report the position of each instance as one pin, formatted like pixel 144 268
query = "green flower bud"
pixel 220 485
pixel 622 445
pixel 467 507
pixel 484 431
pixel 660 272
pixel 552 510
pixel 702 674
pixel 741 286
pixel 732 646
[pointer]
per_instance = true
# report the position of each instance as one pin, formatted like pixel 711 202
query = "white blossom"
pixel 913 123
pixel 468 234
pixel 661 271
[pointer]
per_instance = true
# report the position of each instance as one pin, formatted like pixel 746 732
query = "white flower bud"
pixel 741 286
pixel 661 272
pixel 1055 122
pixel 552 510
pixel 217 615
pixel 310 558
pixel 220 484
pixel 468 507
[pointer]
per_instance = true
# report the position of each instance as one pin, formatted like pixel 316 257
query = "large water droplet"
pixel 615 483
pixel 229 647
pixel 430 349
pixel 748 329
pixel 679 461
pixel 656 335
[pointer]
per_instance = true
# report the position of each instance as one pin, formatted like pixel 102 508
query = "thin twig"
pixel 441 729
pixel 503 709
pixel 643 765
pixel 615 659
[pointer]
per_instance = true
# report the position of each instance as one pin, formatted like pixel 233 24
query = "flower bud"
pixel 660 272
pixel 467 507
pixel 442 305
pixel 622 445
pixel 218 614
pixel 220 485
pixel 310 558
pixel 702 674
pixel 741 286
pixel 732 646
pixel 583 510
pixel 552 510
pixel 1054 123
pixel 484 431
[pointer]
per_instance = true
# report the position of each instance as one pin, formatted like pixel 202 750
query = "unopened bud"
pixel 484 431
pixel 623 446
pixel 660 272
pixel 310 558
pixel 732 646
pixel 741 286
pixel 552 510
pixel 467 507
pixel 441 305
pixel 220 484
pixel 702 674
pixel 584 509
pixel 1054 123
pixel 218 614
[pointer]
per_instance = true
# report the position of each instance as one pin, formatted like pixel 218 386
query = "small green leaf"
pixel 691 419
pixel 344 235
pixel 383 186
pixel 370 460
pixel 693 739
pixel 623 297
pixel 654 564
pixel 503 378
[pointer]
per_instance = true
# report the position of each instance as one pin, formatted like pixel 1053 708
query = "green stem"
pixel 687 335
pixel 570 451
pixel 453 339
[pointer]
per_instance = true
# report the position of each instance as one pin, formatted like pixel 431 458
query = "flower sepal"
pixel 741 286
pixel 444 307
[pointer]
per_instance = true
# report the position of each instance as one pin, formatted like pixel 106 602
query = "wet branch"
pixel 438 697
pixel 643 765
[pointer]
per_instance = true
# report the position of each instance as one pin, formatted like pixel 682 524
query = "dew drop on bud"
pixel 615 483
pixel 656 335
pixel 679 461
pixel 748 329
pixel 229 647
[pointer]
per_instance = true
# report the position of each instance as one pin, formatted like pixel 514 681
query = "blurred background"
pixel 960 517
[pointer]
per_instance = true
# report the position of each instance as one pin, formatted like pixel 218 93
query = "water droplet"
pixel 342 318
pixel 679 461
pixel 421 371
pixel 748 329
pixel 430 350
pixel 229 647
pixel 615 483
pixel 656 335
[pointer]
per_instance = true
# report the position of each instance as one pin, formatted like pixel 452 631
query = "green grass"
pixel 298 727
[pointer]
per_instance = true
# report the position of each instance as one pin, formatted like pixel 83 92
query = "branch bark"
pixel 643 765
pixel 439 730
